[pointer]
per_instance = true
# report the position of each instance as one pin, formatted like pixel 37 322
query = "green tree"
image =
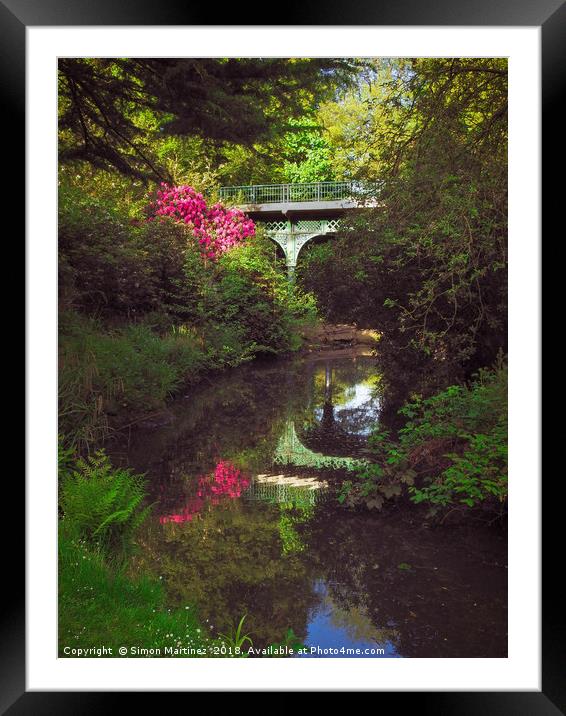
pixel 111 110
pixel 353 124
pixel 428 265
pixel 307 156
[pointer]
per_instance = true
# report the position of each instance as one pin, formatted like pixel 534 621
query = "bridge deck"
pixel 291 193
pixel 321 199
pixel 318 209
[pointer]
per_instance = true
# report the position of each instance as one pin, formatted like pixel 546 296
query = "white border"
pixel 521 670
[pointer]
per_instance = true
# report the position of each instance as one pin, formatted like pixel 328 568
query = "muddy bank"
pixel 332 340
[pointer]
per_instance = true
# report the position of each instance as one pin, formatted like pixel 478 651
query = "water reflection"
pixel 292 451
pixel 294 490
pixel 343 411
pixel 225 482
pixel 335 631
pixel 244 478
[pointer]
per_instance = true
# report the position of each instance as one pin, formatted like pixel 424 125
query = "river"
pixel 243 473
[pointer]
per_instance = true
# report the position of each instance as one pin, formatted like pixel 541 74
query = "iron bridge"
pixel 294 214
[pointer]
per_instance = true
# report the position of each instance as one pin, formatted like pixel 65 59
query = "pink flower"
pixel 218 229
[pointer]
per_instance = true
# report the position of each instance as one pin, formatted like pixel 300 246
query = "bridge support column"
pixel 291 251
pixel 293 234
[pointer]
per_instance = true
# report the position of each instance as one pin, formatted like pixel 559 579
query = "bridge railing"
pixel 286 193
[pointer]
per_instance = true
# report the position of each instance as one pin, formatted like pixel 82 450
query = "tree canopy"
pixel 111 110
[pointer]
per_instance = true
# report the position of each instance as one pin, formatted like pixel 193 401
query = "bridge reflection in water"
pixel 291 451
pixel 293 490
pixel 300 489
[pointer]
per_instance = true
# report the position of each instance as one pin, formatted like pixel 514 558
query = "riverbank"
pixel 114 378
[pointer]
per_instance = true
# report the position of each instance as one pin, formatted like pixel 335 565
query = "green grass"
pixel 114 374
pixel 100 605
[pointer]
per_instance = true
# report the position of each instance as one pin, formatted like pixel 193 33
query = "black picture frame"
pixel 550 15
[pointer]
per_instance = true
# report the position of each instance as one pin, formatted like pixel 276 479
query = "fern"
pixel 103 504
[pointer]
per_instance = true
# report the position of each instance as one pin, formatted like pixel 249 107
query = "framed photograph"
pixel 283 353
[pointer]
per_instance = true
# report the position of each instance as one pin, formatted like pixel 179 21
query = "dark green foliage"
pixel 111 109
pixel 469 427
pixel 117 266
pixel 254 293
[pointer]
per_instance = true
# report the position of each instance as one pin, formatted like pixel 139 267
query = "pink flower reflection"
pixel 225 482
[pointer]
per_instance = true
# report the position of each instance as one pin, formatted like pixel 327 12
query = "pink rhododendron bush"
pixel 217 227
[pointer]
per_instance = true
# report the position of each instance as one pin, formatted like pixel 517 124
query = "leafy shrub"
pixel 470 425
pixel 452 452
pixel 256 294
pixel 113 266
